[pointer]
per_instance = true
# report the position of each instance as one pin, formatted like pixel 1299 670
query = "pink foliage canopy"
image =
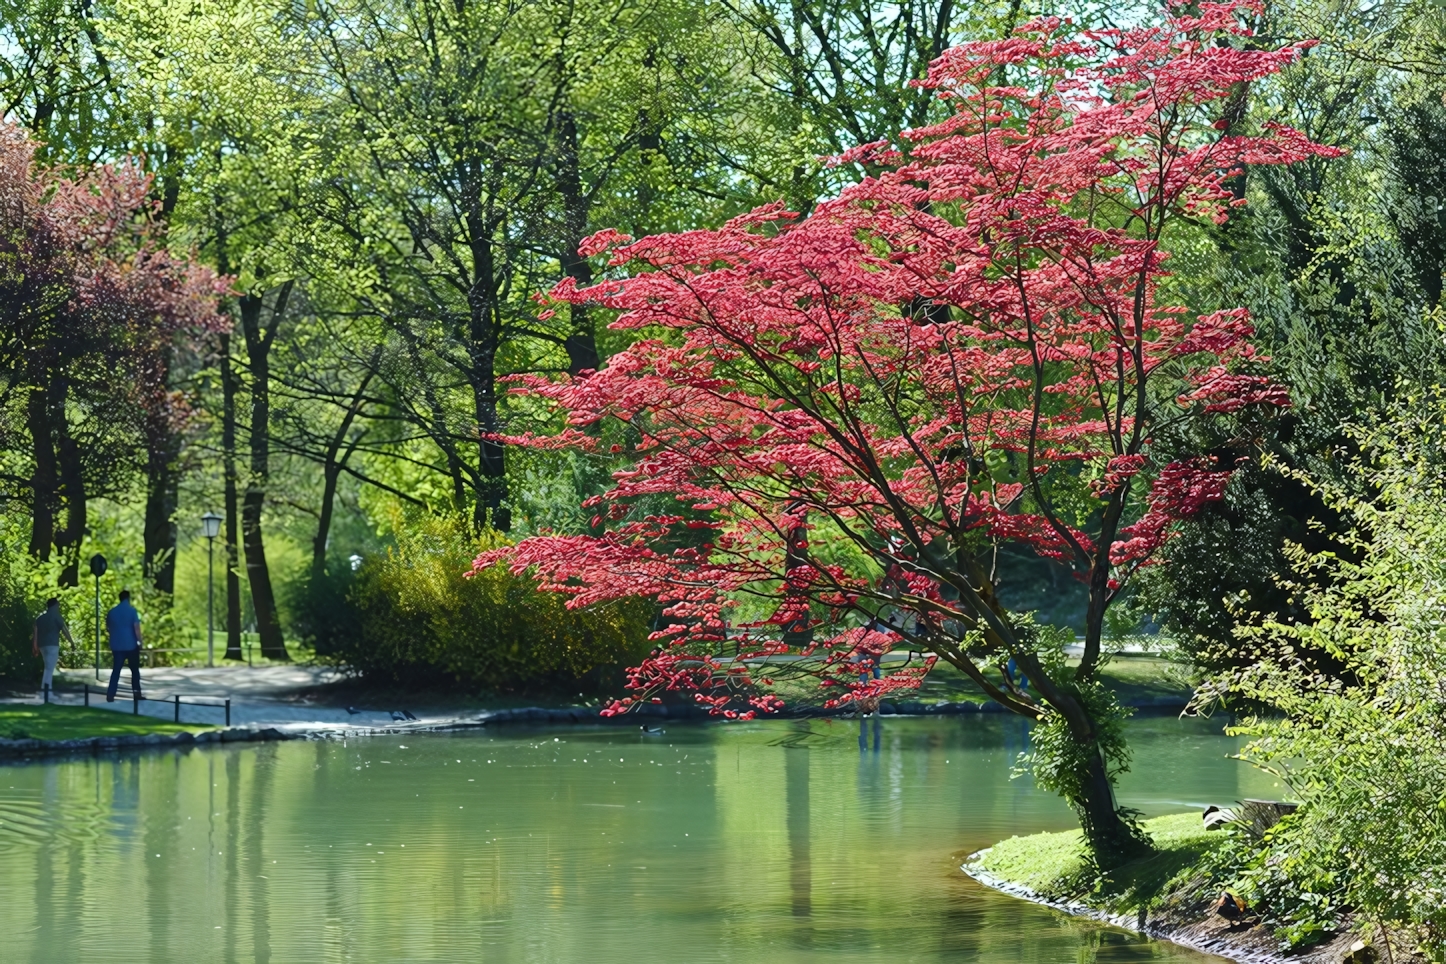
pixel 84 270
pixel 965 350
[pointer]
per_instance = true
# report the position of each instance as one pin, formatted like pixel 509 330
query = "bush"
pixel 1364 751
pixel 18 666
pixel 322 612
pixel 414 616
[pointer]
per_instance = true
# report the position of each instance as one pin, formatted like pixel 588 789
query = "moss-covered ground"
pixel 1053 865
pixel 51 722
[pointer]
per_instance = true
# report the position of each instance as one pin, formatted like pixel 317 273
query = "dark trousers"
pixel 119 659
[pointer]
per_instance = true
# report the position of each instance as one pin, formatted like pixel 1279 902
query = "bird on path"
pixel 408 715
pixel 352 710
pixel 654 730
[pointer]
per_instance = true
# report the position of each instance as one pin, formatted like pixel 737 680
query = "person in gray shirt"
pixel 45 640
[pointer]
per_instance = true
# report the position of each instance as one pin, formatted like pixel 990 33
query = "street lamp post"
pixel 210 525
pixel 97 569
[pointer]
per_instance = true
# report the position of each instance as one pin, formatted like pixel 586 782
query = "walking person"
pixel 123 625
pixel 45 641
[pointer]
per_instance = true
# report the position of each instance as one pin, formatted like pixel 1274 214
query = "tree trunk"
pixel 57 481
pixel 1111 835
pixel 44 480
pixel 163 442
pixel 330 472
pixel 490 506
pixel 258 575
pixel 338 453
pixel 253 501
pixel 228 449
pixel 1112 839
pixel 72 485
pixel 163 483
pixel 581 344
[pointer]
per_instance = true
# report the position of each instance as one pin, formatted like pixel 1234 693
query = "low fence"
pixel 176 700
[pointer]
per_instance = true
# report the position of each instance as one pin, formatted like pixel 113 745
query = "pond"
pixel 783 841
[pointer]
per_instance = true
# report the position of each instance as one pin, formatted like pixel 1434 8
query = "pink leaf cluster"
pixel 932 361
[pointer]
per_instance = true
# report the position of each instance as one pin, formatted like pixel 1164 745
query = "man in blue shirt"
pixel 123 624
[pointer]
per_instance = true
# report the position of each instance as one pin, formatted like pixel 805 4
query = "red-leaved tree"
pixel 91 304
pixel 858 406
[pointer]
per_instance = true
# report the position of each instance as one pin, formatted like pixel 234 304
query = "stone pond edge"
pixel 15 750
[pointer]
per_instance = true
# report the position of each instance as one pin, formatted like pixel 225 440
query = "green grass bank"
pixel 51 722
pixel 1053 865
pixel 1169 895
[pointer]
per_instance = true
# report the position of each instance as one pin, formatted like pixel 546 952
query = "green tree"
pixel 1341 265
pixel 1364 751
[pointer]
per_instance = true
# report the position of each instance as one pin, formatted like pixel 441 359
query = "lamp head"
pixel 211 524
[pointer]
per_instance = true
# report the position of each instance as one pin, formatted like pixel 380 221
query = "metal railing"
pixel 174 700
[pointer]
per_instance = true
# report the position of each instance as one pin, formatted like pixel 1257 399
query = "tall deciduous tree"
pixel 58 80
pixel 860 460
pixel 486 137
pixel 93 304
pixel 250 148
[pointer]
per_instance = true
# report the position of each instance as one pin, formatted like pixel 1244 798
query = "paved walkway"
pixel 260 696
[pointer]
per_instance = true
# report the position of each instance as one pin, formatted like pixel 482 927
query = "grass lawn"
pixel 1052 864
pixel 1136 680
pixel 71 722
pixel 1133 679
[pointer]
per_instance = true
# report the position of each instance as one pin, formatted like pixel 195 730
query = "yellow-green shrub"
pixel 419 617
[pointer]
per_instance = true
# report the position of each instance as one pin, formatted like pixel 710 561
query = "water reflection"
pixel 800 870
pixel 779 842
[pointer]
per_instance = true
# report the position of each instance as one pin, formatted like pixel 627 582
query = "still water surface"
pixel 786 842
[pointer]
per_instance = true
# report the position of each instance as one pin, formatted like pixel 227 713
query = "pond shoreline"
pixel 1208 934
pixel 16 750
pixel 24 749
pixel 684 712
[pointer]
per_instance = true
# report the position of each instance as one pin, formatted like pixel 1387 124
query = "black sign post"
pixel 97 569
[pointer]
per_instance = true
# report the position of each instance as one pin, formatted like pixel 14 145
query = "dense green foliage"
pixel 16 659
pixel 1363 750
pixel 1341 264
pixel 413 615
